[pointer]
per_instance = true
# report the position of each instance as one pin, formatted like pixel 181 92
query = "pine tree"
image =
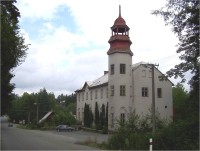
pixel 96 114
pixel 90 118
pixel 107 114
pixel 102 115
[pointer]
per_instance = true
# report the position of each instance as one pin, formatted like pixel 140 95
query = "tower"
pixel 119 65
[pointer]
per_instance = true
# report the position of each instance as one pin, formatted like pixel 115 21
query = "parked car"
pixel 10 125
pixel 64 128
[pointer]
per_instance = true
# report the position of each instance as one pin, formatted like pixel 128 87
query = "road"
pixel 13 138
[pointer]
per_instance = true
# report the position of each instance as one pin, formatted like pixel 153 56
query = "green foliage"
pixel 88 116
pixel 183 133
pixel 103 116
pixel 179 135
pixel 71 108
pixel 13 50
pixel 179 93
pixel 25 107
pixel 180 97
pixel 106 125
pixel 96 115
pixel 62 117
pixel 66 99
pixel 134 134
pixel 183 15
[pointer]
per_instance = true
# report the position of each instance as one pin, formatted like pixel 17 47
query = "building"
pixel 126 86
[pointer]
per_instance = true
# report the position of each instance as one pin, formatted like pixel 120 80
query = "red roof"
pixel 119 21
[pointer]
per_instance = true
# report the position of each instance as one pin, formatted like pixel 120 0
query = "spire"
pixel 119 10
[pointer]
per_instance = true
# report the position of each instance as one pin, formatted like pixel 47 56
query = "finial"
pixel 119 10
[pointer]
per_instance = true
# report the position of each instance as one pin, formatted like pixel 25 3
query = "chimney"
pixel 105 72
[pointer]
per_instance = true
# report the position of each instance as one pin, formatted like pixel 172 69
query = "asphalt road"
pixel 13 138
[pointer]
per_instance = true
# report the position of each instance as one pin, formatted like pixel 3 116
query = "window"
pixel 106 92
pixel 101 93
pixel 144 73
pixel 91 95
pixel 122 90
pixel 159 92
pixel 112 90
pixel 112 70
pixel 122 118
pixel 122 69
pixel 144 92
pixel 96 95
pixel 83 96
pixel 86 95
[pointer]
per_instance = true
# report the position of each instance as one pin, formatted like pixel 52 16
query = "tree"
pixel 90 118
pixel 96 114
pixel 107 114
pixel 179 93
pixel 183 15
pixel 180 99
pixel 102 115
pixel 86 115
pixel 13 50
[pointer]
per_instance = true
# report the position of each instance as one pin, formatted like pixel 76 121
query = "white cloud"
pixel 61 60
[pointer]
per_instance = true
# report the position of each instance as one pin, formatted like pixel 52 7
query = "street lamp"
pixel 37 110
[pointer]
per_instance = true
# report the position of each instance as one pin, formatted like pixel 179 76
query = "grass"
pixel 93 143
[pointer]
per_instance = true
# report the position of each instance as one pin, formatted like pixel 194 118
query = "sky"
pixel 69 41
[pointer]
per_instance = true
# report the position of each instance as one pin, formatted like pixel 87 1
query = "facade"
pixel 126 87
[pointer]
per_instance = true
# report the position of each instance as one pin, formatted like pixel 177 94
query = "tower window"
pixel 112 70
pixel 159 92
pixel 122 69
pixel 122 90
pixel 144 92
pixel 112 90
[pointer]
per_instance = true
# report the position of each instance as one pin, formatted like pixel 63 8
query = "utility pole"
pixel 153 97
pixel 153 100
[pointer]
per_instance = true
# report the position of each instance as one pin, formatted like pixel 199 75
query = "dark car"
pixel 64 128
pixel 10 125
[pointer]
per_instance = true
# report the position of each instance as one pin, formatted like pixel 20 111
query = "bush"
pixel 134 134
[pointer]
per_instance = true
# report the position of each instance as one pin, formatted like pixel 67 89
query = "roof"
pixel 119 23
pixel 46 116
pixel 103 80
pixel 135 66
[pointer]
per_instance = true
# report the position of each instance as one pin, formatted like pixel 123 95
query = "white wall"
pixel 91 101
pixel 119 104
pixel 142 78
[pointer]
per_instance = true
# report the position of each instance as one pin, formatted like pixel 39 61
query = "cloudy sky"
pixel 69 41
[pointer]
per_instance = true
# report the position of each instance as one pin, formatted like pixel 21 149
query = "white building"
pixel 126 86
